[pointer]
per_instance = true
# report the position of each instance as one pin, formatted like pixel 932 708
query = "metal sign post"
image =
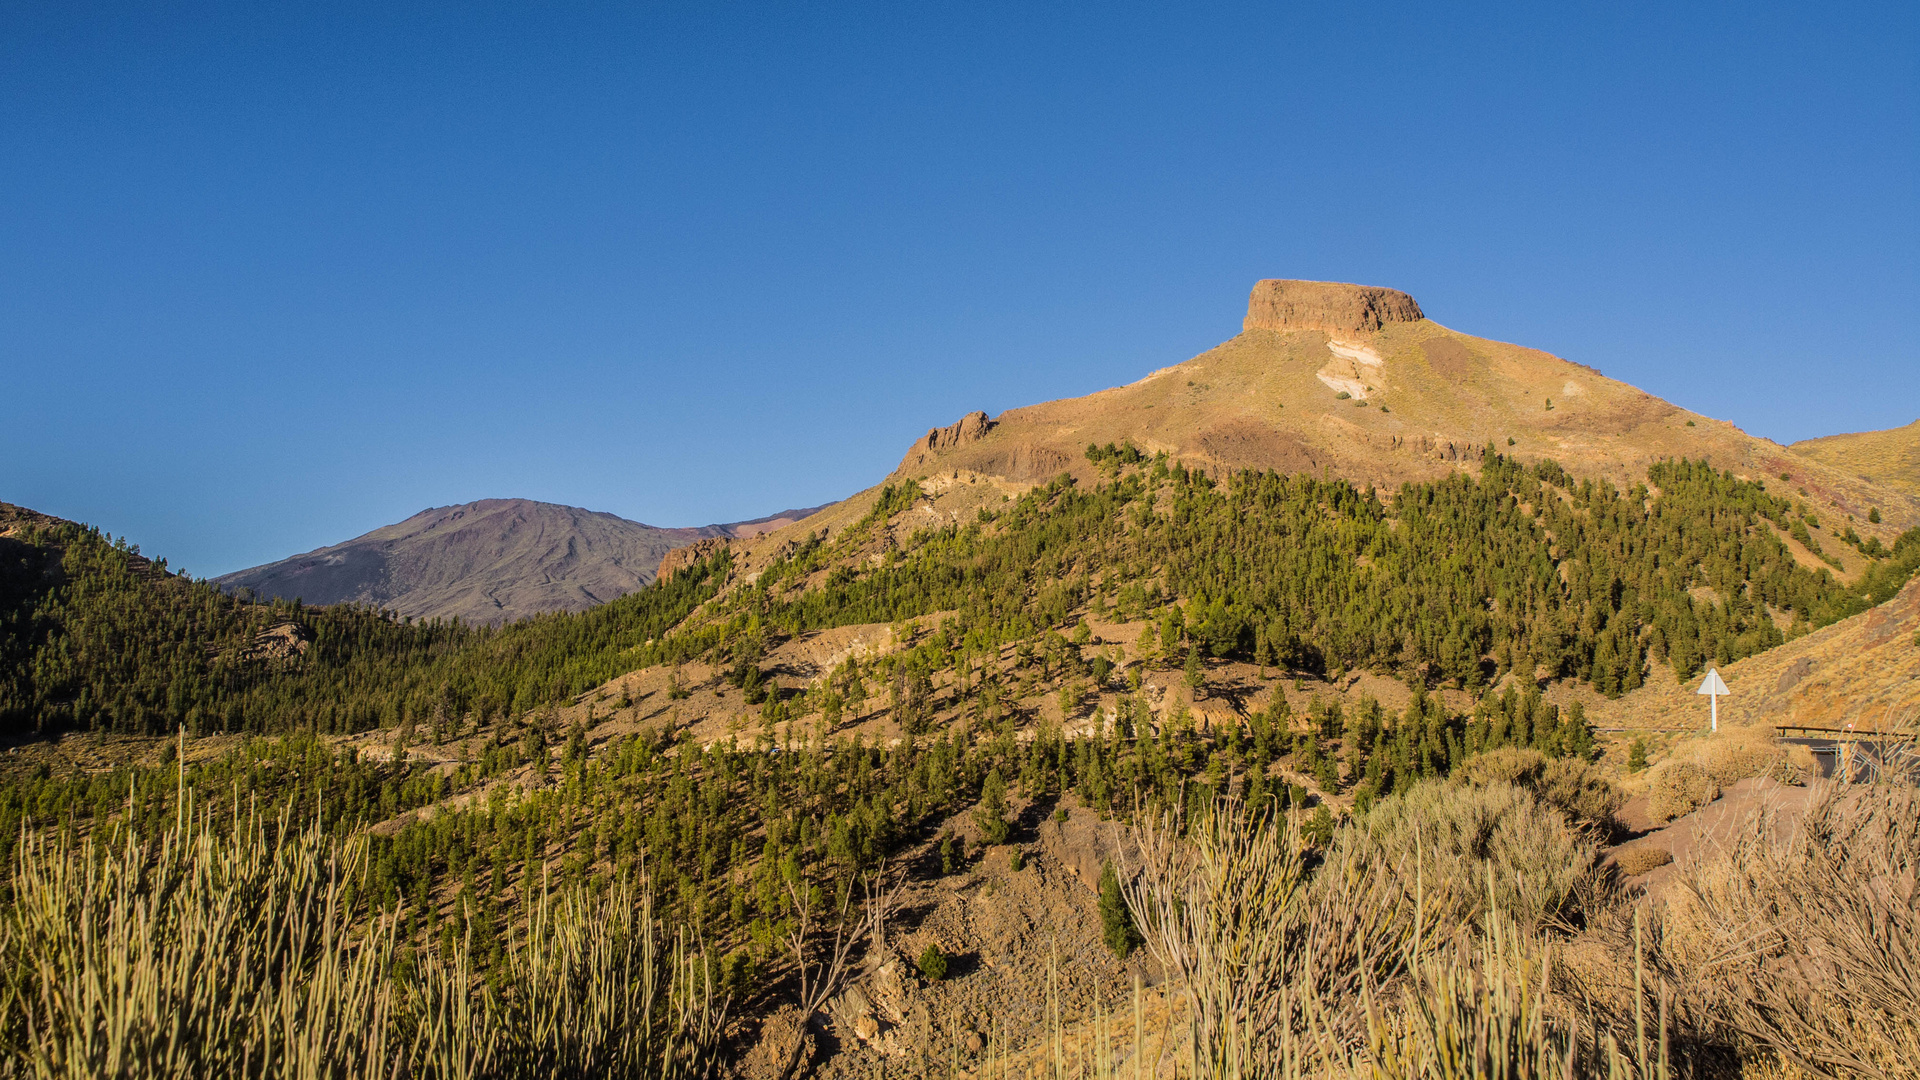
pixel 1713 686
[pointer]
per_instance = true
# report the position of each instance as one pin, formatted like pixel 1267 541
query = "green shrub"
pixel 933 963
pixel 992 814
pixel 1318 831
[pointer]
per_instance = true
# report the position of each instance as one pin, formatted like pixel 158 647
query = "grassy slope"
pixel 1890 458
pixel 1255 401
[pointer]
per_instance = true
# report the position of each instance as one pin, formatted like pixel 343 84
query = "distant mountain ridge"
pixel 489 561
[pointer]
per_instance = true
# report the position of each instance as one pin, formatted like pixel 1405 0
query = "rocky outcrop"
pixel 283 642
pixel 1329 306
pixel 969 428
pixel 680 558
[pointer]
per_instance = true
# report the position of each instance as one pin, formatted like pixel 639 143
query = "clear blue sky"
pixel 273 275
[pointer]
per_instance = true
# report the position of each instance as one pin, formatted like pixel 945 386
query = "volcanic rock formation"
pixel 1337 308
pixel 968 429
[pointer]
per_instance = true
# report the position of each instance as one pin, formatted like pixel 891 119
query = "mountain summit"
pixel 1337 308
pixel 1356 381
pixel 489 561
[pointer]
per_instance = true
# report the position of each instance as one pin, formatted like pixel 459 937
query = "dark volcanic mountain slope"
pixel 488 561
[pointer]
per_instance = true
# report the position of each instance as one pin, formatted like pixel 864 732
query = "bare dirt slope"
pixel 1864 671
pixel 1357 382
pixel 1889 458
pixel 489 561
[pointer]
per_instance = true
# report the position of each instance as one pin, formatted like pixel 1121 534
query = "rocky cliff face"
pixel 968 429
pixel 1330 306
pixel 682 557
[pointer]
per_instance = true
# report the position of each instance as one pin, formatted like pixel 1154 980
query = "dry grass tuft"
pixel 1474 1010
pixel 1355 970
pixel 1265 961
pixel 230 951
pixel 1809 946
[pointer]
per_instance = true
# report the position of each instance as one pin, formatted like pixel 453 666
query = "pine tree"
pixel 992 815
pixel 1117 928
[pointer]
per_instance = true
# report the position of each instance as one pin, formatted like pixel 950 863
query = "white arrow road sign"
pixel 1713 686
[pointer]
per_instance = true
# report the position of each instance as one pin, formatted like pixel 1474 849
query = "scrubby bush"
pixel 1582 792
pixel 1737 754
pixel 1508 765
pixel 1678 788
pixel 1641 858
pixel 1462 840
pixel 1570 785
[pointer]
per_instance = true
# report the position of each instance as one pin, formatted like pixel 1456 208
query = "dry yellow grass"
pixel 1808 944
pixel 1890 458
pixel 234 949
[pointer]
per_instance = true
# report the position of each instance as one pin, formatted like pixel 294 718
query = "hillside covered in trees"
pixel 497 787
pixel 1457 582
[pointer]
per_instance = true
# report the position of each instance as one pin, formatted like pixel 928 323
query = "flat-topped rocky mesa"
pixel 1354 381
pixel 1332 306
